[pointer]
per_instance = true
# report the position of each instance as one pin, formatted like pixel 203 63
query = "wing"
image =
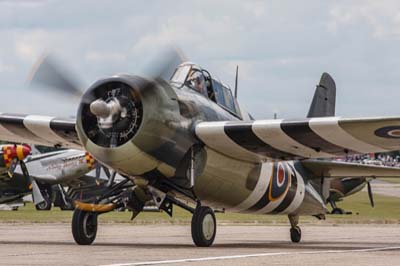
pixel 337 169
pixel 42 130
pixel 327 137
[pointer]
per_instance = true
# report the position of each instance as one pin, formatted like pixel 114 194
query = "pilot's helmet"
pixel 197 80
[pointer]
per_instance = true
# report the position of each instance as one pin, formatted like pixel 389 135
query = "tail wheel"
pixel 204 227
pixel 44 205
pixel 84 227
pixel 67 206
pixel 337 211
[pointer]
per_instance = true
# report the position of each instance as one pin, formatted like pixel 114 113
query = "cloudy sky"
pixel 281 47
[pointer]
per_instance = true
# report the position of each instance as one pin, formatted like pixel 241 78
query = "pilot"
pixel 197 81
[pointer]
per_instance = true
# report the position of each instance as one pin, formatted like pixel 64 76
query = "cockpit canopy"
pixel 200 80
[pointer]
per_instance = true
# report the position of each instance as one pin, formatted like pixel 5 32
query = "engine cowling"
pixel 127 122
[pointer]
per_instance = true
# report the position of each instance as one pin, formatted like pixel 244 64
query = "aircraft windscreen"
pixel 180 74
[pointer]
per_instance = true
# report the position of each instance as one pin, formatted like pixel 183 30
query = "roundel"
pixel 280 181
pixel 391 132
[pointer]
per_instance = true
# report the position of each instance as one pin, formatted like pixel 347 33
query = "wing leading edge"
pixel 41 130
pixel 327 137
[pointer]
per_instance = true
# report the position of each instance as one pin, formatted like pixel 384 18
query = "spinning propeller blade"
pixel 47 72
pixel 370 195
pixel 165 62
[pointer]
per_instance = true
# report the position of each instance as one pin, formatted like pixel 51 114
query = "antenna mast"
pixel 236 81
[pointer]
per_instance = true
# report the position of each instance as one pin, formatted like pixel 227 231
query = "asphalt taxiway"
pixel 125 244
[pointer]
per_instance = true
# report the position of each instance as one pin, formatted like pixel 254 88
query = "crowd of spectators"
pixel 374 159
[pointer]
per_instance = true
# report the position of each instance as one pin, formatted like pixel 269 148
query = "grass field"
pixel 391 180
pixel 386 211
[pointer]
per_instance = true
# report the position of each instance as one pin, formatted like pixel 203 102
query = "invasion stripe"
pixel 329 129
pixel 300 191
pixel 15 124
pixel 243 135
pixel 270 132
pixel 40 126
pixel 59 124
pixel 259 190
pixel 214 136
pixel 66 130
pixel 302 133
pixel 264 205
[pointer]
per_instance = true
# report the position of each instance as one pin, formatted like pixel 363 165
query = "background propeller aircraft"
pixel 12 188
pixel 341 188
pixel 45 175
pixel 187 142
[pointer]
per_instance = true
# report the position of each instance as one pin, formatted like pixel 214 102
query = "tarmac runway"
pixel 124 244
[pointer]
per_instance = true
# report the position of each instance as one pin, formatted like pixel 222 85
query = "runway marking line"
pixel 252 256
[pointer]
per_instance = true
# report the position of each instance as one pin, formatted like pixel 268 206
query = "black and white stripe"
pixel 269 140
pixel 262 201
pixel 42 130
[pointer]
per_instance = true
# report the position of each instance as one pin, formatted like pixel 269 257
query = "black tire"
pixel 337 211
pixel 44 205
pixel 204 227
pixel 84 227
pixel 295 234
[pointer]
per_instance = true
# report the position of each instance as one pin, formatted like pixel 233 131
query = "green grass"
pixel 386 211
pixel 391 180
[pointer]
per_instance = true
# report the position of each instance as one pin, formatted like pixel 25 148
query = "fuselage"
pixel 240 186
pixel 162 141
pixel 59 167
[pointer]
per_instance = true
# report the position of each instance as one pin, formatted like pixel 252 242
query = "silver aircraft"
pixel 186 141
pixel 45 175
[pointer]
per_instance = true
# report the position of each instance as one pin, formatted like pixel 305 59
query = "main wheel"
pixel 295 234
pixel 84 227
pixel 204 227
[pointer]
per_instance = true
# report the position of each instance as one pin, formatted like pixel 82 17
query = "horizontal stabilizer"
pixel 325 168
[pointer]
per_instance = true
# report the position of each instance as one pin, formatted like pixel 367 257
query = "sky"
pixel 281 47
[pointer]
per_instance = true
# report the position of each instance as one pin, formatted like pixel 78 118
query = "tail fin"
pixel 324 101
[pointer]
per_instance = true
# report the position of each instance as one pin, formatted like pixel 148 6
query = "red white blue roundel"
pixel 392 132
pixel 280 181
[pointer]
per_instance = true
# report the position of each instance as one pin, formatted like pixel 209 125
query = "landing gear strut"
pixel 295 231
pixel 84 227
pixel 204 226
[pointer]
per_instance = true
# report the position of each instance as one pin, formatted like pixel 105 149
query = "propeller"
pixel 164 63
pixel 14 155
pixel 370 195
pixel 17 154
pixel 50 73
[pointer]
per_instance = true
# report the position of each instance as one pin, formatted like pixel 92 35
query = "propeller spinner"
pixel 14 154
